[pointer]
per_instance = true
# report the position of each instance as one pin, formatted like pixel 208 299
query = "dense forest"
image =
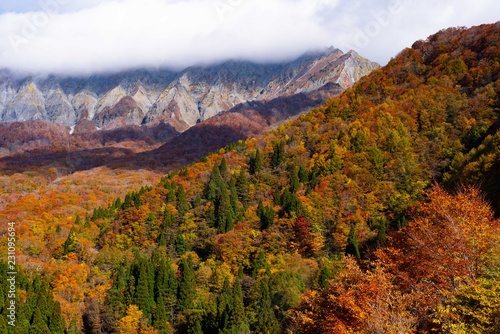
pixel 375 213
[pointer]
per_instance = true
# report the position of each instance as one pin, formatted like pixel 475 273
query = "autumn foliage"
pixel 330 223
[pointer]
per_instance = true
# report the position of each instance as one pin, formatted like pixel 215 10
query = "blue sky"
pixel 88 36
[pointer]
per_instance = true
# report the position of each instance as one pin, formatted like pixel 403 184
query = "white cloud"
pixel 83 36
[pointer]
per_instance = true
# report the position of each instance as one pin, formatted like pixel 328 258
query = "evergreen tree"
pixel 278 156
pixel 38 324
pixel 224 215
pixel 324 275
pixel 116 300
pixel 260 263
pixel 183 205
pixel 210 319
pixel 127 202
pixel 165 293
pixel 181 246
pixel 381 233
pixel 187 282
pixel 171 194
pixel 303 175
pixel 223 166
pixel 70 244
pixel 137 199
pixel 212 189
pixel 266 215
pixel 57 324
pixel 194 325
pixel 243 186
pixel 78 220
pixel 256 162
pixel 233 196
pixel 291 203
pixel 73 327
pixel 87 223
pixel 294 180
pixel 266 319
pixel 168 220
pixel 224 307
pixel 144 298
pixel 353 243
pixel 239 322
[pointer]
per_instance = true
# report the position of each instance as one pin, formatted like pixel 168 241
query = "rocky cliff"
pixel 180 99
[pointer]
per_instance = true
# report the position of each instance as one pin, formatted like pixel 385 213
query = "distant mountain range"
pixel 179 99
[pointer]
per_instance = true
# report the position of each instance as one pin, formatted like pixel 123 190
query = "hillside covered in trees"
pixel 374 213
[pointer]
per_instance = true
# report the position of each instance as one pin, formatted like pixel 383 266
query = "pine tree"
pixel 194 325
pixel 224 307
pixel 38 324
pixel 294 180
pixel 352 243
pixel 256 162
pixel 233 195
pixel 71 242
pixel 278 156
pixel 183 205
pixel 57 324
pixel 266 319
pixel 260 263
pixel 224 215
pixel 291 203
pixel 324 275
pixel 239 322
pixel 168 220
pixel 187 282
pixel 171 194
pixel 303 175
pixel 165 293
pixel 144 298
pixel 73 327
pixel 127 202
pixel 78 220
pixel 266 215
pixel 242 186
pixel 381 233
pixel 212 189
pixel 223 166
pixel 181 246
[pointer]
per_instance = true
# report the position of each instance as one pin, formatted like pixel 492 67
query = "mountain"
pixel 183 99
pixel 363 215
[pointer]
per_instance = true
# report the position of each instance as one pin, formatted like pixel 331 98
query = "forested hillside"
pixel 365 215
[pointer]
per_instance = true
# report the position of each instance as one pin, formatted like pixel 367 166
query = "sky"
pixel 79 37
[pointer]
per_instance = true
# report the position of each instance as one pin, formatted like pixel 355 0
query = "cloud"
pixel 89 36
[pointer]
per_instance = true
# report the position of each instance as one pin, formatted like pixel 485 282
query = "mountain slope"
pixel 180 99
pixel 253 238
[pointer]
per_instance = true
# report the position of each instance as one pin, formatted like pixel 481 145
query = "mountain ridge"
pixel 182 99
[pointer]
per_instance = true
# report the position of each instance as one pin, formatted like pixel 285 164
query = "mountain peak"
pixel 181 99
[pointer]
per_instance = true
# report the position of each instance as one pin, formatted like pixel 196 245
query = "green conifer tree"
pixel 223 166
pixel 278 156
pixel 243 186
pixel 39 324
pixel 71 242
pixel 260 263
pixel 353 243
pixel 256 162
pixel 187 282
pixel 266 319
pixel 183 205
pixel 239 321
pixel 294 180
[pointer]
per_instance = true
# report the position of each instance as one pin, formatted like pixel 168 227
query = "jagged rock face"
pixel 181 100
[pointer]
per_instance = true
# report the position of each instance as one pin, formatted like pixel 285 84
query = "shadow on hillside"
pixel 243 121
pixel 176 153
